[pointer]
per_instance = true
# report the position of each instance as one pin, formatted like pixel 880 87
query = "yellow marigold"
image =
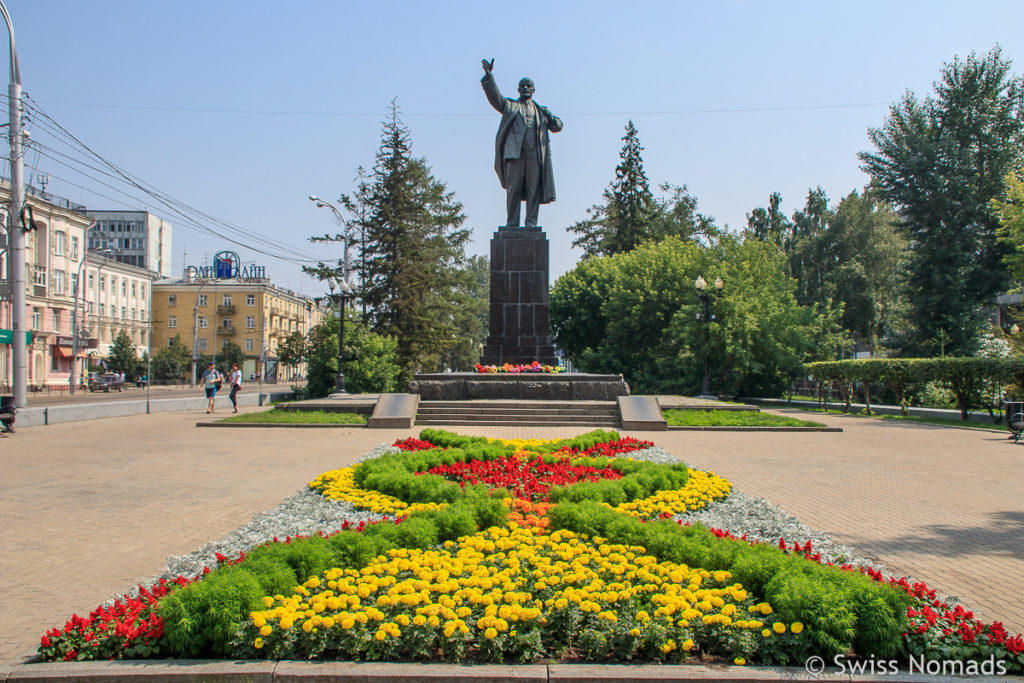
pixel 491 633
pixel 797 627
pixel 767 633
pixel 739 661
pixel 266 630
pixel 258 643
pixel 779 627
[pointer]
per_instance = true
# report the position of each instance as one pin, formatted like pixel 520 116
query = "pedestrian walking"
pixel 236 386
pixel 211 382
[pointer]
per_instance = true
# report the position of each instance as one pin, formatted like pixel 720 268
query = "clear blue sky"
pixel 243 109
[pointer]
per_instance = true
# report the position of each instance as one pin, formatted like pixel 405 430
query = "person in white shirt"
pixel 236 385
pixel 210 379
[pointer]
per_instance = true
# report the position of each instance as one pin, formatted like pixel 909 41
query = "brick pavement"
pixel 90 507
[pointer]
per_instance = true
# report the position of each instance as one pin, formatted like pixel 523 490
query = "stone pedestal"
pixel 565 386
pixel 520 331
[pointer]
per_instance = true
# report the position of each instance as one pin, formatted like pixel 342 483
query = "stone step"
pixel 516 411
pixel 520 417
pixel 520 404
pixel 515 423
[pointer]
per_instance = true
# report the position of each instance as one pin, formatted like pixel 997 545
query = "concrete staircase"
pixel 519 413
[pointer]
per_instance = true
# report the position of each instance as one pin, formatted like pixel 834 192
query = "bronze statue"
pixel 522 156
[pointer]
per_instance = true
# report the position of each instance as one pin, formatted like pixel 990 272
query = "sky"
pixel 241 110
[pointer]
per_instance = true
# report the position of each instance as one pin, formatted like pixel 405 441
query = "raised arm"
pixel 491 87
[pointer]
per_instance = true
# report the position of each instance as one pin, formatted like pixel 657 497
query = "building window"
pixel 90 280
pixel 74 284
pixel 250 345
pixel 227 299
pixel 227 323
pixel 250 299
pixel 39 276
pixel 124 312
pixel 142 291
pixel 88 307
pixel 224 344
pixel 74 248
pixel 57 286
pixel 170 342
pixel 56 321
pixel 37 319
pixel 59 242
pixel 250 321
pixel 54 362
pixel 172 321
pixel 172 299
pixel 113 285
pixel 133 290
pixel 133 314
pixel 202 300
pixel 201 344
pixel 103 310
pixel 103 284
pixel 124 288
pixel 203 323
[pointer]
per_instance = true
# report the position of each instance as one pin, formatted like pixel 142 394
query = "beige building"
pixel 208 312
pixel 116 297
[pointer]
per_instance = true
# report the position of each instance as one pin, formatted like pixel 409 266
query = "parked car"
pixel 110 381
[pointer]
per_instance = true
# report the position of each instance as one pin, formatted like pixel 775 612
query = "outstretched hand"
pixel 487 65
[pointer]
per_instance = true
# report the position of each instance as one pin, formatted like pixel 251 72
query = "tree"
pixel 470 315
pixel 122 357
pixel 172 362
pixel 1011 224
pixel 631 215
pixel 636 313
pixel 413 250
pixel 940 161
pixel 293 349
pixel 369 358
pixel 230 354
pixel 769 225
pixel 624 220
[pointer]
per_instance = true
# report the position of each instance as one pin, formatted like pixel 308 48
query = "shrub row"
pixel 395 474
pixel 844 611
pixel 201 619
pixel 976 382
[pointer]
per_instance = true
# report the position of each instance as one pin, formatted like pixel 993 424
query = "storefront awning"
pixel 61 352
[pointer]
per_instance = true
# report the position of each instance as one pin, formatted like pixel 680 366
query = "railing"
pixel 226 329
pixel 225 309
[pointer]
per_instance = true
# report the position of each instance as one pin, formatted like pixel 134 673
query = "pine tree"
pixel 413 250
pixel 625 219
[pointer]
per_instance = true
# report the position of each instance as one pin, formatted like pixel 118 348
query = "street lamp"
pixel 346 289
pixel 705 296
pixel 346 239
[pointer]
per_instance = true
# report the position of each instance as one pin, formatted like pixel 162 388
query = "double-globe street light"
pixel 705 296
pixel 346 289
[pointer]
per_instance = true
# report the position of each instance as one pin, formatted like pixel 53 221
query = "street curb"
pixel 751 428
pixel 178 671
pixel 286 425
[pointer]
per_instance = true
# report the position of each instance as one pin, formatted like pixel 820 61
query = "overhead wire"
pixel 191 217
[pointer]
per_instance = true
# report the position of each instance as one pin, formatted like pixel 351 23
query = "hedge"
pixel 967 378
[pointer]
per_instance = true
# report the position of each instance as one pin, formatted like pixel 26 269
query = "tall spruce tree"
pixel 413 250
pixel 940 161
pixel 625 219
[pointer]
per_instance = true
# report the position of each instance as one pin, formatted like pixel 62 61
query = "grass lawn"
pixel 732 418
pixel 297 417
pixel 908 418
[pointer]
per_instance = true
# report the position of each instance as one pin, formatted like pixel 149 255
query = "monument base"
pixel 461 386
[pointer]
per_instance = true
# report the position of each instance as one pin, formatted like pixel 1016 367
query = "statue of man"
pixel 522 156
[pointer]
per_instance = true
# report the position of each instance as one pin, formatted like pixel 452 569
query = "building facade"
pixel 116 297
pixel 137 238
pixel 206 313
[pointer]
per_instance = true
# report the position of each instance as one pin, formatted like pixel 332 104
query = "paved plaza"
pixel 88 508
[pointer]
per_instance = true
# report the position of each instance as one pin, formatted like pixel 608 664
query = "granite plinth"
pixel 520 330
pixel 458 386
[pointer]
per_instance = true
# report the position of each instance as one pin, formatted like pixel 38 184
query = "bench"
pixel 1015 419
pixel 7 414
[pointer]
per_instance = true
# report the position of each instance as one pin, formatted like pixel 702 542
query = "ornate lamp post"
pixel 346 289
pixel 705 296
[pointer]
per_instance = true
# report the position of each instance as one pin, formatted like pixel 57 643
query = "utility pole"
pixel 16 260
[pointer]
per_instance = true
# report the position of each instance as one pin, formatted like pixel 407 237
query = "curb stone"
pixel 179 671
pixel 751 428
pixel 285 425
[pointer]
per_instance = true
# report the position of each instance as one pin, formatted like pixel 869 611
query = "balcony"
pixel 227 330
pixel 226 309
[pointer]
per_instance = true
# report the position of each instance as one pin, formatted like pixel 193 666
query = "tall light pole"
pixel 705 296
pixel 16 260
pixel 346 239
pixel 346 289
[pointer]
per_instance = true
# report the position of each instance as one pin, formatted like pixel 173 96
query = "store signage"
pixel 227 266
pixel 7 337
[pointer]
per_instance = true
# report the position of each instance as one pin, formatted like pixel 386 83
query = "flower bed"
pixel 535 366
pixel 520 550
